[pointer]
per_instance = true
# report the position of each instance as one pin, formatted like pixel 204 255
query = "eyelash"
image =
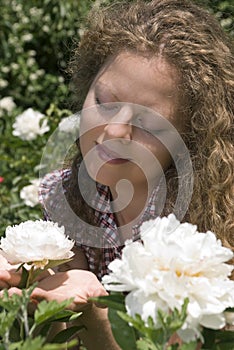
pixel 105 106
pixel 98 102
pixel 148 130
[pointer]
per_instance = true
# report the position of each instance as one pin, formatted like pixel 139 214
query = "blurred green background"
pixel 37 37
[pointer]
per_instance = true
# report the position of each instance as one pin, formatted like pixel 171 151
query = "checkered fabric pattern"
pixel 111 247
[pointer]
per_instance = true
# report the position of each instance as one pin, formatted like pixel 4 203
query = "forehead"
pixel 152 77
pixel 145 81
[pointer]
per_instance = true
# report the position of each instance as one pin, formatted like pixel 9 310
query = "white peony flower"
pixel 29 193
pixel 7 103
pixel 30 124
pixel 174 262
pixel 70 124
pixel 35 241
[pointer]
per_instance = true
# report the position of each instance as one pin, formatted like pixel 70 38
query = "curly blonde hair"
pixel 190 39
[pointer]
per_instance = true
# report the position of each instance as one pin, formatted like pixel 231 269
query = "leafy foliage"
pixel 20 330
pixel 37 38
pixel 132 333
pixel 223 11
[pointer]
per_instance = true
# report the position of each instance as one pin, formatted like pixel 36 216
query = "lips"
pixel 109 156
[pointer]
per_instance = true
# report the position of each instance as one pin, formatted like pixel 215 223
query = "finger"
pixel 4 275
pixel 11 291
pixel 4 285
pixel 99 291
pixel 39 294
pixel 11 277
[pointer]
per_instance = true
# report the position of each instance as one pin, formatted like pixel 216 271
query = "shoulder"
pixel 51 182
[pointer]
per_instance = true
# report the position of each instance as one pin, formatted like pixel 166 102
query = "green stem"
pixel 30 277
pixel 6 340
pixel 25 321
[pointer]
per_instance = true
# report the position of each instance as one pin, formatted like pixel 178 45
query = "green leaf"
pixel 114 300
pixel 12 303
pixel 59 346
pixel 48 309
pixel 146 344
pixel 65 316
pixel 28 344
pixel 66 334
pixel 6 321
pixel 209 338
pixel 38 343
pixel 53 263
pixel 123 333
pixel 136 322
pixel 189 346
pixel 224 346
pixel 218 339
pixel 24 277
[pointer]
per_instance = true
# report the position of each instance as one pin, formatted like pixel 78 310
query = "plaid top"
pixel 109 245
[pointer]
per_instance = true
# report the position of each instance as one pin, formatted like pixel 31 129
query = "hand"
pixel 78 284
pixel 9 276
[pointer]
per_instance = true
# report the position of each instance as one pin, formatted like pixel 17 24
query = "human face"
pixel 123 135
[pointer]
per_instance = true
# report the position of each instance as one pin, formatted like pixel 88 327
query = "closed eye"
pixel 147 125
pixel 108 107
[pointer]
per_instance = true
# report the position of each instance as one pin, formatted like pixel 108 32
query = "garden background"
pixel 37 38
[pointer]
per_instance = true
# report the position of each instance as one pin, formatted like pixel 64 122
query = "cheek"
pixel 160 152
pixel 86 142
pixel 88 137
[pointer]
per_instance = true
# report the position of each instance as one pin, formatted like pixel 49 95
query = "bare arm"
pixel 98 334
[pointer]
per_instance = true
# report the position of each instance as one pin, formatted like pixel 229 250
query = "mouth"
pixel 109 156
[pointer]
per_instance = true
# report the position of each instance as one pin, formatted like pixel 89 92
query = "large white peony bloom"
pixel 174 262
pixel 29 193
pixel 29 125
pixel 35 241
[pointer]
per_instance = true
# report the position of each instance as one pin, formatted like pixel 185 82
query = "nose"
pixel 120 125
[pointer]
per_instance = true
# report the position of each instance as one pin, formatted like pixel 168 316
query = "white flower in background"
pixel 70 124
pixel 7 103
pixel 40 72
pixel 3 83
pixel 31 61
pixel 27 37
pixel 173 262
pixel 33 76
pixel 29 193
pixel 5 69
pixel 14 66
pixel 61 79
pixel 32 53
pixel 35 241
pixel 29 125
pixel 45 28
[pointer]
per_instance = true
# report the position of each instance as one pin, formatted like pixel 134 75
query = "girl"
pixel 146 75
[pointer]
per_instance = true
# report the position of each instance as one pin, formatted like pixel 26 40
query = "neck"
pixel 129 202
